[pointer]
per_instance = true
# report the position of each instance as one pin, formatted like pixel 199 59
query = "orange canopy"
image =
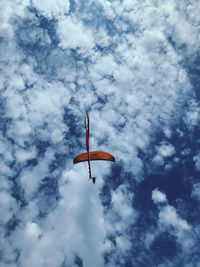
pixel 94 155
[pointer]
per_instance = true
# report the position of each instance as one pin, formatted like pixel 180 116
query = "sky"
pixel 134 65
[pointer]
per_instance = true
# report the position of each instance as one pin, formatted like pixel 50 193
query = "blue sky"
pixel 135 66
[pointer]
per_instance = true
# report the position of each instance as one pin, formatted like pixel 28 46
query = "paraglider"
pixel 93 155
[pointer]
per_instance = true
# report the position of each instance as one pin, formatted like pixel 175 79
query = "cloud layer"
pixel 132 65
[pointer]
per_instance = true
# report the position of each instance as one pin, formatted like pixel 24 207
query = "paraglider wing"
pixel 94 155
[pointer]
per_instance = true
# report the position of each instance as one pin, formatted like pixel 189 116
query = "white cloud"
pixel 32 230
pixel 193 114
pixel 108 9
pixel 51 8
pixel 168 133
pixel 102 39
pixel 197 161
pixel 134 85
pixel 196 191
pixel 104 66
pixel 123 243
pixel 163 151
pixel 8 9
pixel 23 155
pixel 168 216
pixel 129 4
pixel 158 196
pixel 186 151
pixel 31 178
pixel 150 237
pixel 79 219
pixel 166 150
pixel 169 220
pixel 73 34
pixel 8 207
pixel 158 160
pixel 122 203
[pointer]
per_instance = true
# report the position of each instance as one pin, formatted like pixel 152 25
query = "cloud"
pixel 121 60
pixel 122 203
pixel 170 220
pixel 8 207
pixel 192 115
pixel 166 150
pixel 158 197
pixel 197 161
pixel 74 35
pixel 168 216
pixel 196 191
pixel 52 9
pixel 177 230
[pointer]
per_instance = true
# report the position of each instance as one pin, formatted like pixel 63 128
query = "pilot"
pixel 93 179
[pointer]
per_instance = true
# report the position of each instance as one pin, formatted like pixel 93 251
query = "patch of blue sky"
pixel 47 195
pixel 78 261
pixel 164 247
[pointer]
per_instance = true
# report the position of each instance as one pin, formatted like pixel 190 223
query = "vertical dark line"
pixel 88 150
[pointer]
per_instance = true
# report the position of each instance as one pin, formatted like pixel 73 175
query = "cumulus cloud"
pixel 122 61
pixel 163 151
pixel 52 9
pixel 158 197
pixel 197 161
pixel 196 191
pixel 170 220
pixel 193 114
pixel 175 227
pixel 74 35
pixel 121 201
pixel 168 216
pixel 8 207
pixel 166 150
